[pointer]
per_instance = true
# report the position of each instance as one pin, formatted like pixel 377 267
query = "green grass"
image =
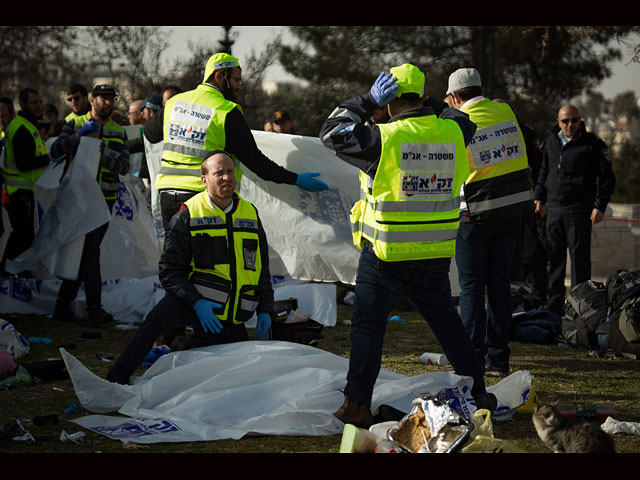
pixel 564 374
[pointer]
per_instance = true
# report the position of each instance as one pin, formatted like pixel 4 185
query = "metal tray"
pixel 456 425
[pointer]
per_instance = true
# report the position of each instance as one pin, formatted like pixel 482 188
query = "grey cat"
pixel 564 435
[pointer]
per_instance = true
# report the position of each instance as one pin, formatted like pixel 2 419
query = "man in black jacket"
pixel 185 256
pixel 574 186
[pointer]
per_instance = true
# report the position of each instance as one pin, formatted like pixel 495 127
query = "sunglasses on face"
pixel 76 98
pixel 572 120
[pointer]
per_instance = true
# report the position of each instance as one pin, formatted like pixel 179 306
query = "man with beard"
pixel 25 159
pixel 114 161
pixel 196 122
pixel 192 124
pixel 78 99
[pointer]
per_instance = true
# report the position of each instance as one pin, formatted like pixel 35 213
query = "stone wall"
pixel 615 242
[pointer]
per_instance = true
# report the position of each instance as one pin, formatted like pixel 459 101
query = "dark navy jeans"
pixel 484 256
pixel 426 284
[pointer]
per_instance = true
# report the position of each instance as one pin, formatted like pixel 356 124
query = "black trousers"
pixel 568 228
pixel 169 314
pixel 89 273
pixel 170 202
pixel 20 210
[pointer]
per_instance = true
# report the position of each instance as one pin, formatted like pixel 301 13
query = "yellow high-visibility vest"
pixel 194 124
pixel 499 187
pixel 410 210
pixel 226 260
pixel 113 135
pixel 14 179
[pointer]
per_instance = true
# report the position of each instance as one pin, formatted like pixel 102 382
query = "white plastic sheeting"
pixel 229 391
pixel 256 387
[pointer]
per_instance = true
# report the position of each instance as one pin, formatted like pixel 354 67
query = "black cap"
pixel 103 90
pixel 280 116
pixel 153 102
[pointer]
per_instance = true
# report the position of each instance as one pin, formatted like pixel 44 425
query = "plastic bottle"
pixel 588 411
pixel 434 358
pixel 386 447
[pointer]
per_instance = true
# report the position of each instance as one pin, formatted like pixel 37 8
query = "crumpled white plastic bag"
pixel 613 426
pixel 12 341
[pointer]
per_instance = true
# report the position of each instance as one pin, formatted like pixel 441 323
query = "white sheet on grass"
pixel 229 391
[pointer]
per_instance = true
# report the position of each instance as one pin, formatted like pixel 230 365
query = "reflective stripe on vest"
pixel 498 188
pixel 226 261
pixel 15 179
pixel 194 127
pixel 113 136
pixel 410 210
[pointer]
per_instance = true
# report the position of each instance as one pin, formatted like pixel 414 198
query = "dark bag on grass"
pixel 585 314
pixel 308 332
pixel 622 286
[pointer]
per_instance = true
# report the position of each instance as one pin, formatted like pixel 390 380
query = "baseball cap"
pixel 462 78
pixel 280 115
pixel 410 79
pixel 218 61
pixel 103 90
pixel 153 102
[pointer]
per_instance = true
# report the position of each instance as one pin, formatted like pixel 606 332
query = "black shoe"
pixel 115 375
pixel 98 316
pixel 64 313
pixel 354 414
pixel 486 401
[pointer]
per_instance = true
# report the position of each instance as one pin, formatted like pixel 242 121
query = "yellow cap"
pixel 410 79
pixel 218 61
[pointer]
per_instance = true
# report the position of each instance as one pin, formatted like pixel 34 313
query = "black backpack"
pixel 585 313
pixel 622 286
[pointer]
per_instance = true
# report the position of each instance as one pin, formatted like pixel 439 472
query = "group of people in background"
pixel 454 177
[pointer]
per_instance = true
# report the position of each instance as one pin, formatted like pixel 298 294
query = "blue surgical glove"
pixel 263 325
pixel 57 159
pixel 307 182
pixel 89 126
pixel 384 89
pixel 204 310
pixel 103 145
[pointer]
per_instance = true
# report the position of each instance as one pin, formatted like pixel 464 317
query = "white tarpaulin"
pixel 229 391
pixel 255 387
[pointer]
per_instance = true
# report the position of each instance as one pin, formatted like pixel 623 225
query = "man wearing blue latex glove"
pixel 114 162
pixel 411 172
pixel 214 269
pixel 210 115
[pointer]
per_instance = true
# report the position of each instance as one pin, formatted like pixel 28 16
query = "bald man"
pixel 214 269
pixel 573 188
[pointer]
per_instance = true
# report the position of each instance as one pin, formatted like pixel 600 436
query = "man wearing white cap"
pixel 497 194
pixel 411 172
pixel 196 122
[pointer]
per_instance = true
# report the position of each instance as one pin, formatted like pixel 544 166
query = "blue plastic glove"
pixel 89 126
pixel 384 89
pixel 263 325
pixel 307 182
pixel 204 310
pixel 103 145
pixel 57 159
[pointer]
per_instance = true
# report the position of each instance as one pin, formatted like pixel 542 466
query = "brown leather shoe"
pixel 354 414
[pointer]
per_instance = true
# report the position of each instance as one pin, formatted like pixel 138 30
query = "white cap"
pixel 462 78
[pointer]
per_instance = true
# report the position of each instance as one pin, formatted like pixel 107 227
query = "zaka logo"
pixel 127 204
pixel 435 184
